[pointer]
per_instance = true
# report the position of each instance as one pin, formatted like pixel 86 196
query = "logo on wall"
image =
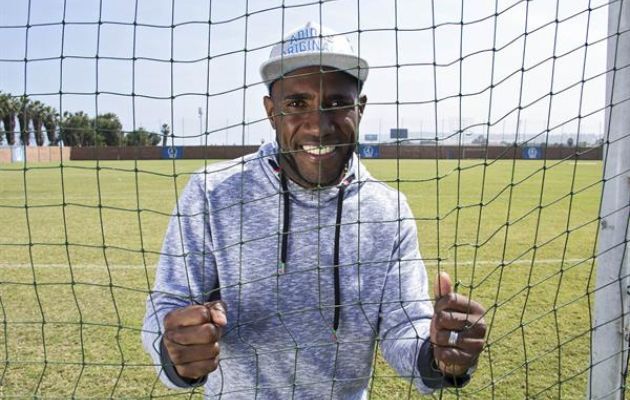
pixel 172 152
pixel 369 151
pixel 532 153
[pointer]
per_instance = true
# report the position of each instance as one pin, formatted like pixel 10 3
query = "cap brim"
pixel 275 69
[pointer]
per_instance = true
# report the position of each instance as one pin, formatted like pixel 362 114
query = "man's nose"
pixel 319 122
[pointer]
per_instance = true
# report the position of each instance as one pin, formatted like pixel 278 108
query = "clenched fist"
pixel 458 329
pixel 191 337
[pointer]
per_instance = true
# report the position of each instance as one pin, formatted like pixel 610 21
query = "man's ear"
pixel 361 105
pixel 269 108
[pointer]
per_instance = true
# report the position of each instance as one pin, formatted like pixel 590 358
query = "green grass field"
pixel 78 246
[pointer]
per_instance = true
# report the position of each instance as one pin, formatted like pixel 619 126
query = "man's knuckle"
pixel 215 350
pixel 213 365
pixel 174 336
pixel 440 317
pixel 204 367
pixel 470 358
pixel 185 370
pixel 169 320
pixel 209 333
pixel 206 332
pixel 176 357
pixel 447 355
pixel 462 356
pixel 478 346
pixel 482 328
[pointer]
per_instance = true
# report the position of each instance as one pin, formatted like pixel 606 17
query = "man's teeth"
pixel 318 150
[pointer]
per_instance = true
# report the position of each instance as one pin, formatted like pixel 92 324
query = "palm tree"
pixel 2 110
pixel 166 130
pixel 24 117
pixel 51 121
pixel 37 116
pixel 8 110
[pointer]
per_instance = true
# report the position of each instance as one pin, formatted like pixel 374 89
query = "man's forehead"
pixel 314 77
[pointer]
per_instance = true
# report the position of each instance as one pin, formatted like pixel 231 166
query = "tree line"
pixel 19 116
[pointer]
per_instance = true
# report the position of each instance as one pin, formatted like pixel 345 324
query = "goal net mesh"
pixel 489 116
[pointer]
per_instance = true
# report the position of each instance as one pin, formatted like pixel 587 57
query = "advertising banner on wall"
pixel 369 151
pixel 172 152
pixel 532 153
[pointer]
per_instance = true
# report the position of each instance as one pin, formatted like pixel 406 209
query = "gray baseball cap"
pixel 313 45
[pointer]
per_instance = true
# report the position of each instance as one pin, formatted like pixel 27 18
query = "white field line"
pixel 509 263
pixel 428 262
pixel 78 266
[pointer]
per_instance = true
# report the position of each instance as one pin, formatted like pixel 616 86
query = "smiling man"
pixel 315 112
pixel 282 271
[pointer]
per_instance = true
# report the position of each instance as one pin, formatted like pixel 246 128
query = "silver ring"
pixel 452 338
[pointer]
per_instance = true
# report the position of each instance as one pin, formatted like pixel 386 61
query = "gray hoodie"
pixel 307 303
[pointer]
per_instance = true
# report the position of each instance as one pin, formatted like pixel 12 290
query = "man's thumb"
pixel 443 285
pixel 218 314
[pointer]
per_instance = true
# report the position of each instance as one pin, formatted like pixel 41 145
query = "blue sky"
pixel 211 69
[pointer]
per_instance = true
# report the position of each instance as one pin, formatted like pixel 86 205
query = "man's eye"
pixel 295 104
pixel 337 104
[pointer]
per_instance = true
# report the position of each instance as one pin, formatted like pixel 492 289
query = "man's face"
pixel 315 115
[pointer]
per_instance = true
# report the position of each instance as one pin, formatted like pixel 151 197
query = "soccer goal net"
pixel 504 124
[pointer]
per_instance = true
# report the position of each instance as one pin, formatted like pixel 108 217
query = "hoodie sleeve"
pixel 406 307
pixel 186 272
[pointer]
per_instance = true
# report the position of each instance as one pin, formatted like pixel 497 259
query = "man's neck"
pixel 293 175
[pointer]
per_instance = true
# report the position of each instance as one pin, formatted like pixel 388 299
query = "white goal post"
pixel 611 325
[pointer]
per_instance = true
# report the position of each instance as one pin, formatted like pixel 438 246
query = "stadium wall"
pixel 38 154
pixel 49 154
pixel 490 152
pixel 158 152
pixel 385 151
pixel 5 156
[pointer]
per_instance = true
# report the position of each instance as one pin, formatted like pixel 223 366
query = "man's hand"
pixel 456 352
pixel 192 337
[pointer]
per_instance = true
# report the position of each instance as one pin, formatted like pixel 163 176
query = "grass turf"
pixel 79 241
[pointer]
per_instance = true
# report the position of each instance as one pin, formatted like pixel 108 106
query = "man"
pixel 293 263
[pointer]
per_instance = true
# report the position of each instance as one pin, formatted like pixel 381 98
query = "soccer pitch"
pixel 79 242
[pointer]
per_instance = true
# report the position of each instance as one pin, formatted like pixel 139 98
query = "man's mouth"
pixel 318 150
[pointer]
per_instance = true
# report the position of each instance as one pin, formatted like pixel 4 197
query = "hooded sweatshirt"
pixel 313 280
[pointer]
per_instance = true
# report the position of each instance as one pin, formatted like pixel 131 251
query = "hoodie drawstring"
pixel 342 189
pixel 285 222
pixel 285 240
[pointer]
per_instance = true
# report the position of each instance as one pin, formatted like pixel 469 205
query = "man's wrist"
pixel 431 374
